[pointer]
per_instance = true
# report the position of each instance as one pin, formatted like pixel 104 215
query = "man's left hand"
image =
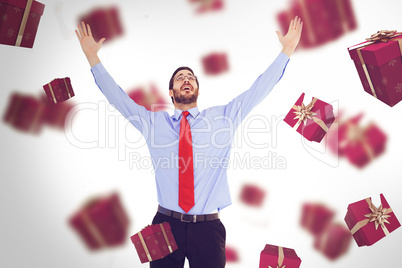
pixel 292 38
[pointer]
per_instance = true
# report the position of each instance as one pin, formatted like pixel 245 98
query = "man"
pixel 193 189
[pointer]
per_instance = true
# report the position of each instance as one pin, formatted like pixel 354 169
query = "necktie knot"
pixel 185 113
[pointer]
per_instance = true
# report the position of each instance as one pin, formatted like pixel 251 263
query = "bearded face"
pixel 185 88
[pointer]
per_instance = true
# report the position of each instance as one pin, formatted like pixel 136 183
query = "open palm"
pixel 292 38
pixel 88 43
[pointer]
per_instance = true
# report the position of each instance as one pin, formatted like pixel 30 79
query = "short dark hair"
pixel 178 70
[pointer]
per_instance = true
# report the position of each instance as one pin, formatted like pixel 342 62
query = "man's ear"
pixel 171 92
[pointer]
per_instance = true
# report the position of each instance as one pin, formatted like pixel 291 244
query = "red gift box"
pixel 315 217
pixel 311 121
pixel 25 113
pixel 338 137
pixel 278 257
pixel 215 63
pixel 208 5
pixel 59 90
pixel 104 23
pixel 154 242
pixel 368 224
pixel 152 101
pixel 324 20
pixel 102 222
pixel 252 195
pixel 334 241
pixel 56 115
pixel 379 66
pixel 231 254
pixel 363 144
pixel 19 21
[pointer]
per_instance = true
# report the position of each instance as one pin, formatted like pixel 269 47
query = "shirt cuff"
pixel 98 70
pixel 282 60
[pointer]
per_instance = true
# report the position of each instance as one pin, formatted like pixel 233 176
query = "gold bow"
pixel 284 266
pixel 304 112
pixel 378 215
pixel 382 36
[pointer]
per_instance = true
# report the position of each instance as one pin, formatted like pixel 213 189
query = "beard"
pixel 185 99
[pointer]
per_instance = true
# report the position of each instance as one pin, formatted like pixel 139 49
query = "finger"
pixel 280 36
pixel 101 41
pixel 80 30
pixel 89 30
pixel 299 25
pixel 84 29
pixel 78 35
pixel 290 25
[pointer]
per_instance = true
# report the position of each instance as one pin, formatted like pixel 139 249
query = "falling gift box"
pixel 19 21
pixel 215 63
pixel 311 121
pixel 208 5
pixel 231 254
pixel 361 145
pixel 315 217
pixel 337 137
pixel 104 23
pixel 59 90
pixel 252 195
pixel 152 100
pixel 368 224
pixel 25 113
pixel 55 115
pixel 379 65
pixel 334 241
pixel 154 242
pixel 324 20
pixel 102 222
pixel 279 257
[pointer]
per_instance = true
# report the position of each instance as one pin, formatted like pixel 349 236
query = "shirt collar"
pixel 193 111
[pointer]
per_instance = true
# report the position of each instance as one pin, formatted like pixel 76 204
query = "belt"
pixel 188 217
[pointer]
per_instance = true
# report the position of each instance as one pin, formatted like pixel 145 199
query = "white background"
pixel 45 178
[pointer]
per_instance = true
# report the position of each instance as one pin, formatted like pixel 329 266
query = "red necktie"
pixel 186 172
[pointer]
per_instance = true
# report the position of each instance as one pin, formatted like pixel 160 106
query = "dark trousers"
pixel 203 243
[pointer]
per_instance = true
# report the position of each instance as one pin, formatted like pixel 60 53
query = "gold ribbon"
pixel 166 238
pixel 93 230
pixel 51 91
pixel 356 134
pixel 281 257
pixel 68 92
pixel 308 24
pixel 35 120
pixel 144 246
pixel 23 23
pixel 341 9
pixel 382 36
pixel 304 112
pixel 378 215
pixel 15 109
pixel 366 71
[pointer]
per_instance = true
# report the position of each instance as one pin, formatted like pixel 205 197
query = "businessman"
pixel 193 189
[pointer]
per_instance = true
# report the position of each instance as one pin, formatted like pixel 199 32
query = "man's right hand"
pixel 88 43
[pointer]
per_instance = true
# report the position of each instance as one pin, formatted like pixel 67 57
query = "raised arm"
pixel 88 43
pixel 240 106
pixel 136 114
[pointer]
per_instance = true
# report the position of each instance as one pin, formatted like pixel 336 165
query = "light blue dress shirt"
pixel 212 133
